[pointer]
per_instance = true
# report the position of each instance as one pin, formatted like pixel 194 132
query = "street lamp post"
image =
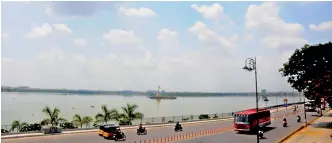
pixel 250 65
pixel 305 113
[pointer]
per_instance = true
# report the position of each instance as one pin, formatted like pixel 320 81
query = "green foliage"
pixel 129 114
pixel 203 116
pixel 106 114
pixel 53 117
pixel 309 70
pixel 68 125
pixel 31 127
pixel 17 125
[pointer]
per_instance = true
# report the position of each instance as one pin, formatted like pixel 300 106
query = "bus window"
pixel 241 118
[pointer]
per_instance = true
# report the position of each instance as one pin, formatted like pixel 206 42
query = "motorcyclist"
pixel 298 117
pixel 284 122
pixel 118 133
pixel 140 127
pixel 178 125
pixel 260 133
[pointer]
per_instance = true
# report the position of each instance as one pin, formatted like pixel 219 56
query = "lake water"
pixel 27 107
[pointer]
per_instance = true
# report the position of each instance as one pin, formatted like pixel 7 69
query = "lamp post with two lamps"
pixel 250 65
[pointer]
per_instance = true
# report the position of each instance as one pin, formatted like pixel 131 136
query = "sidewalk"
pixel 317 132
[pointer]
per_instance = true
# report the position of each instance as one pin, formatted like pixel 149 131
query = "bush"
pixel 4 131
pixel 68 125
pixel 170 121
pixel 31 127
pixel 203 116
pixel 215 116
pixel 185 119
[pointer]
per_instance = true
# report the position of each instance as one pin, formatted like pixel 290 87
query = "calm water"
pixel 27 107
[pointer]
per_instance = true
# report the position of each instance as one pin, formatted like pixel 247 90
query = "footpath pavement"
pixel 317 132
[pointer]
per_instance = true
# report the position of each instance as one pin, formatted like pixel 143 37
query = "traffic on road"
pixel 157 133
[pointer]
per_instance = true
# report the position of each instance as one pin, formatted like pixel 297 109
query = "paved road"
pixel 273 133
pixel 153 133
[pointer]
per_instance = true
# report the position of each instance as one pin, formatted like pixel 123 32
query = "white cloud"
pixel 120 36
pixel 79 42
pixel 39 32
pixel 322 26
pixel 264 19
pixel 212 12
pixel 137 12
pixel 248 37
pixel 4 36
pixel 62 28
pixel 207 36
pixel 168 36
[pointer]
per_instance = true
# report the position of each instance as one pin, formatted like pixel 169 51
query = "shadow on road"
pixel 327 125
pixel 266 129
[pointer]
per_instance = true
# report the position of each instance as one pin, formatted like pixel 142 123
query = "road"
pixel 272 134
pixel 153 133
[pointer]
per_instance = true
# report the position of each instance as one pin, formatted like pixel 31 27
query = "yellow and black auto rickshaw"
pixel 101 129
pixel 109 131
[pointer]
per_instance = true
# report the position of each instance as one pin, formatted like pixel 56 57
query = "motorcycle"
pixel 260 134
pixel 178 128
pixel 142 131
pixel 119 136
pixel 284 123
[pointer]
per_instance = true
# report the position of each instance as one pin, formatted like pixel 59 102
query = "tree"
pixel 129 114
pixel 17 125
pixel 87 120
pixel 77 120
pixel 309 71
pixel 53 116
pixel 107 114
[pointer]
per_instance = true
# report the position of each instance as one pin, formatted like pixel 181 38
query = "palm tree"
pixel 87 120
pixel 129 113
pixel 18 125
pixel 107 114
pixel 78 120
pixel 53 115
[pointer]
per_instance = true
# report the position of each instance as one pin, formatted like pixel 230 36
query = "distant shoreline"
pixel 128 92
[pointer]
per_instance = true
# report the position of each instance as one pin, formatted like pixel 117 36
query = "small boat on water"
pixel 158 96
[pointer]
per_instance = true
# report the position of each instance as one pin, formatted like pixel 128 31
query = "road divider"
pixel 200 133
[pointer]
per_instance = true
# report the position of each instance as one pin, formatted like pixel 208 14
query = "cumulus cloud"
pixel 137 12
pixel 212 12
pixel 120 36
pixel 324 26
pixel 264 19
pixel 77 8
pixel 211 38
pixel 79 42
pixel 39 32
pixel 62 28
pixel 167 36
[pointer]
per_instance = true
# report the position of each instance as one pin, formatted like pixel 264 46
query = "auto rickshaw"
pixel 101 128
pixel 109 131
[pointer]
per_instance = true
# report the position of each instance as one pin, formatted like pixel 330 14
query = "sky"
pixel 181 46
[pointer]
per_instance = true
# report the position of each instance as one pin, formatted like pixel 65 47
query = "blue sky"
pixel 181 46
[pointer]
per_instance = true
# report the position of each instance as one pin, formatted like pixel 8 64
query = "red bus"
pixel 247 120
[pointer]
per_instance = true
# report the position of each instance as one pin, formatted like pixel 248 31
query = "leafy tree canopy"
pixel 309 70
